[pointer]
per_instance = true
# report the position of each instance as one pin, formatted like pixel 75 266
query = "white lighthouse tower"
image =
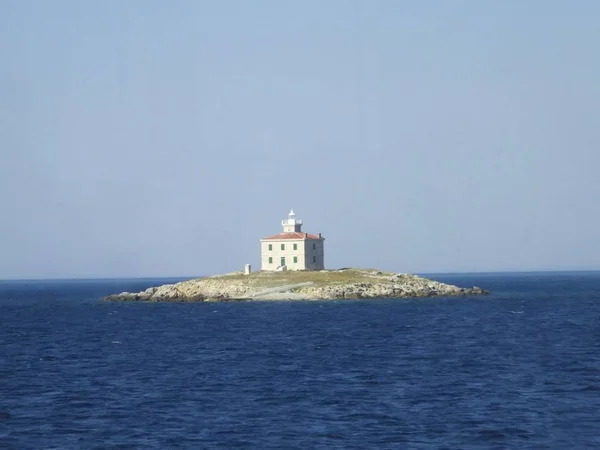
pixel 292 224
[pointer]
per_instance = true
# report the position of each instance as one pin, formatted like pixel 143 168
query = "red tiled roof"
pixel 292 235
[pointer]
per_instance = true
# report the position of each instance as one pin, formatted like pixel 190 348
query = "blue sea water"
pixel 518 369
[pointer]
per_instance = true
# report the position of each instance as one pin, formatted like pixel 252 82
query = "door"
pixel 282 261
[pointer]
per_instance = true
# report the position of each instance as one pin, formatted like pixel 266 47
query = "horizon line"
pixel 189 277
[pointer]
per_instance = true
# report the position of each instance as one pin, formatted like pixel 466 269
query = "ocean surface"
pixel 519 369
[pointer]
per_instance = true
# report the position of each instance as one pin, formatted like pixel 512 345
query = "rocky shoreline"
pixel 321 285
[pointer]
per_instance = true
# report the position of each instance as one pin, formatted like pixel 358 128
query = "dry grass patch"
pixel 327 277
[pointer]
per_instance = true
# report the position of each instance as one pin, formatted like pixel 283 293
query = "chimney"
pixel 319 235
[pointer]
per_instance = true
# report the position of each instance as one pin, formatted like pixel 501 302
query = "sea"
pixel 518 369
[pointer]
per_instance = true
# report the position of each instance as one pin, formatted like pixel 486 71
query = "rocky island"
pixel 299 285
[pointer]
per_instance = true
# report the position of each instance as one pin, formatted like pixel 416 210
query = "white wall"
pixel 304 253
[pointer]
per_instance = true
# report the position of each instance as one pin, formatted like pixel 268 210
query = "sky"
pixel 165 138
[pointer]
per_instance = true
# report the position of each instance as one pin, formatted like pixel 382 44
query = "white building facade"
pixel 292 249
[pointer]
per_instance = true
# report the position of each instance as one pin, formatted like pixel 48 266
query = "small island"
pixel 293 268
pixel 299 285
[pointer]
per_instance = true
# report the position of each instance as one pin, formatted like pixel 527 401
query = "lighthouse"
pixel 292 249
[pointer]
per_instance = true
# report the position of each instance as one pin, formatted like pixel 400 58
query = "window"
pixel 314 259
pixel 270 247
pixel 295 259
pixel 270 260
pixel 282 247
pixel 295 246
pixel 314 246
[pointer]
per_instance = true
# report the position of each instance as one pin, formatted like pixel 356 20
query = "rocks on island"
pixel 306 285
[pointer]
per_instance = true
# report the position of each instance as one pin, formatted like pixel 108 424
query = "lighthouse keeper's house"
pixel 292 249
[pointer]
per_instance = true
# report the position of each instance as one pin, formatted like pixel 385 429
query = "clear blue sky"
pixel 159 138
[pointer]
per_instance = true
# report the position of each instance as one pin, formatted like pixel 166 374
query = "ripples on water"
pixel 517 369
